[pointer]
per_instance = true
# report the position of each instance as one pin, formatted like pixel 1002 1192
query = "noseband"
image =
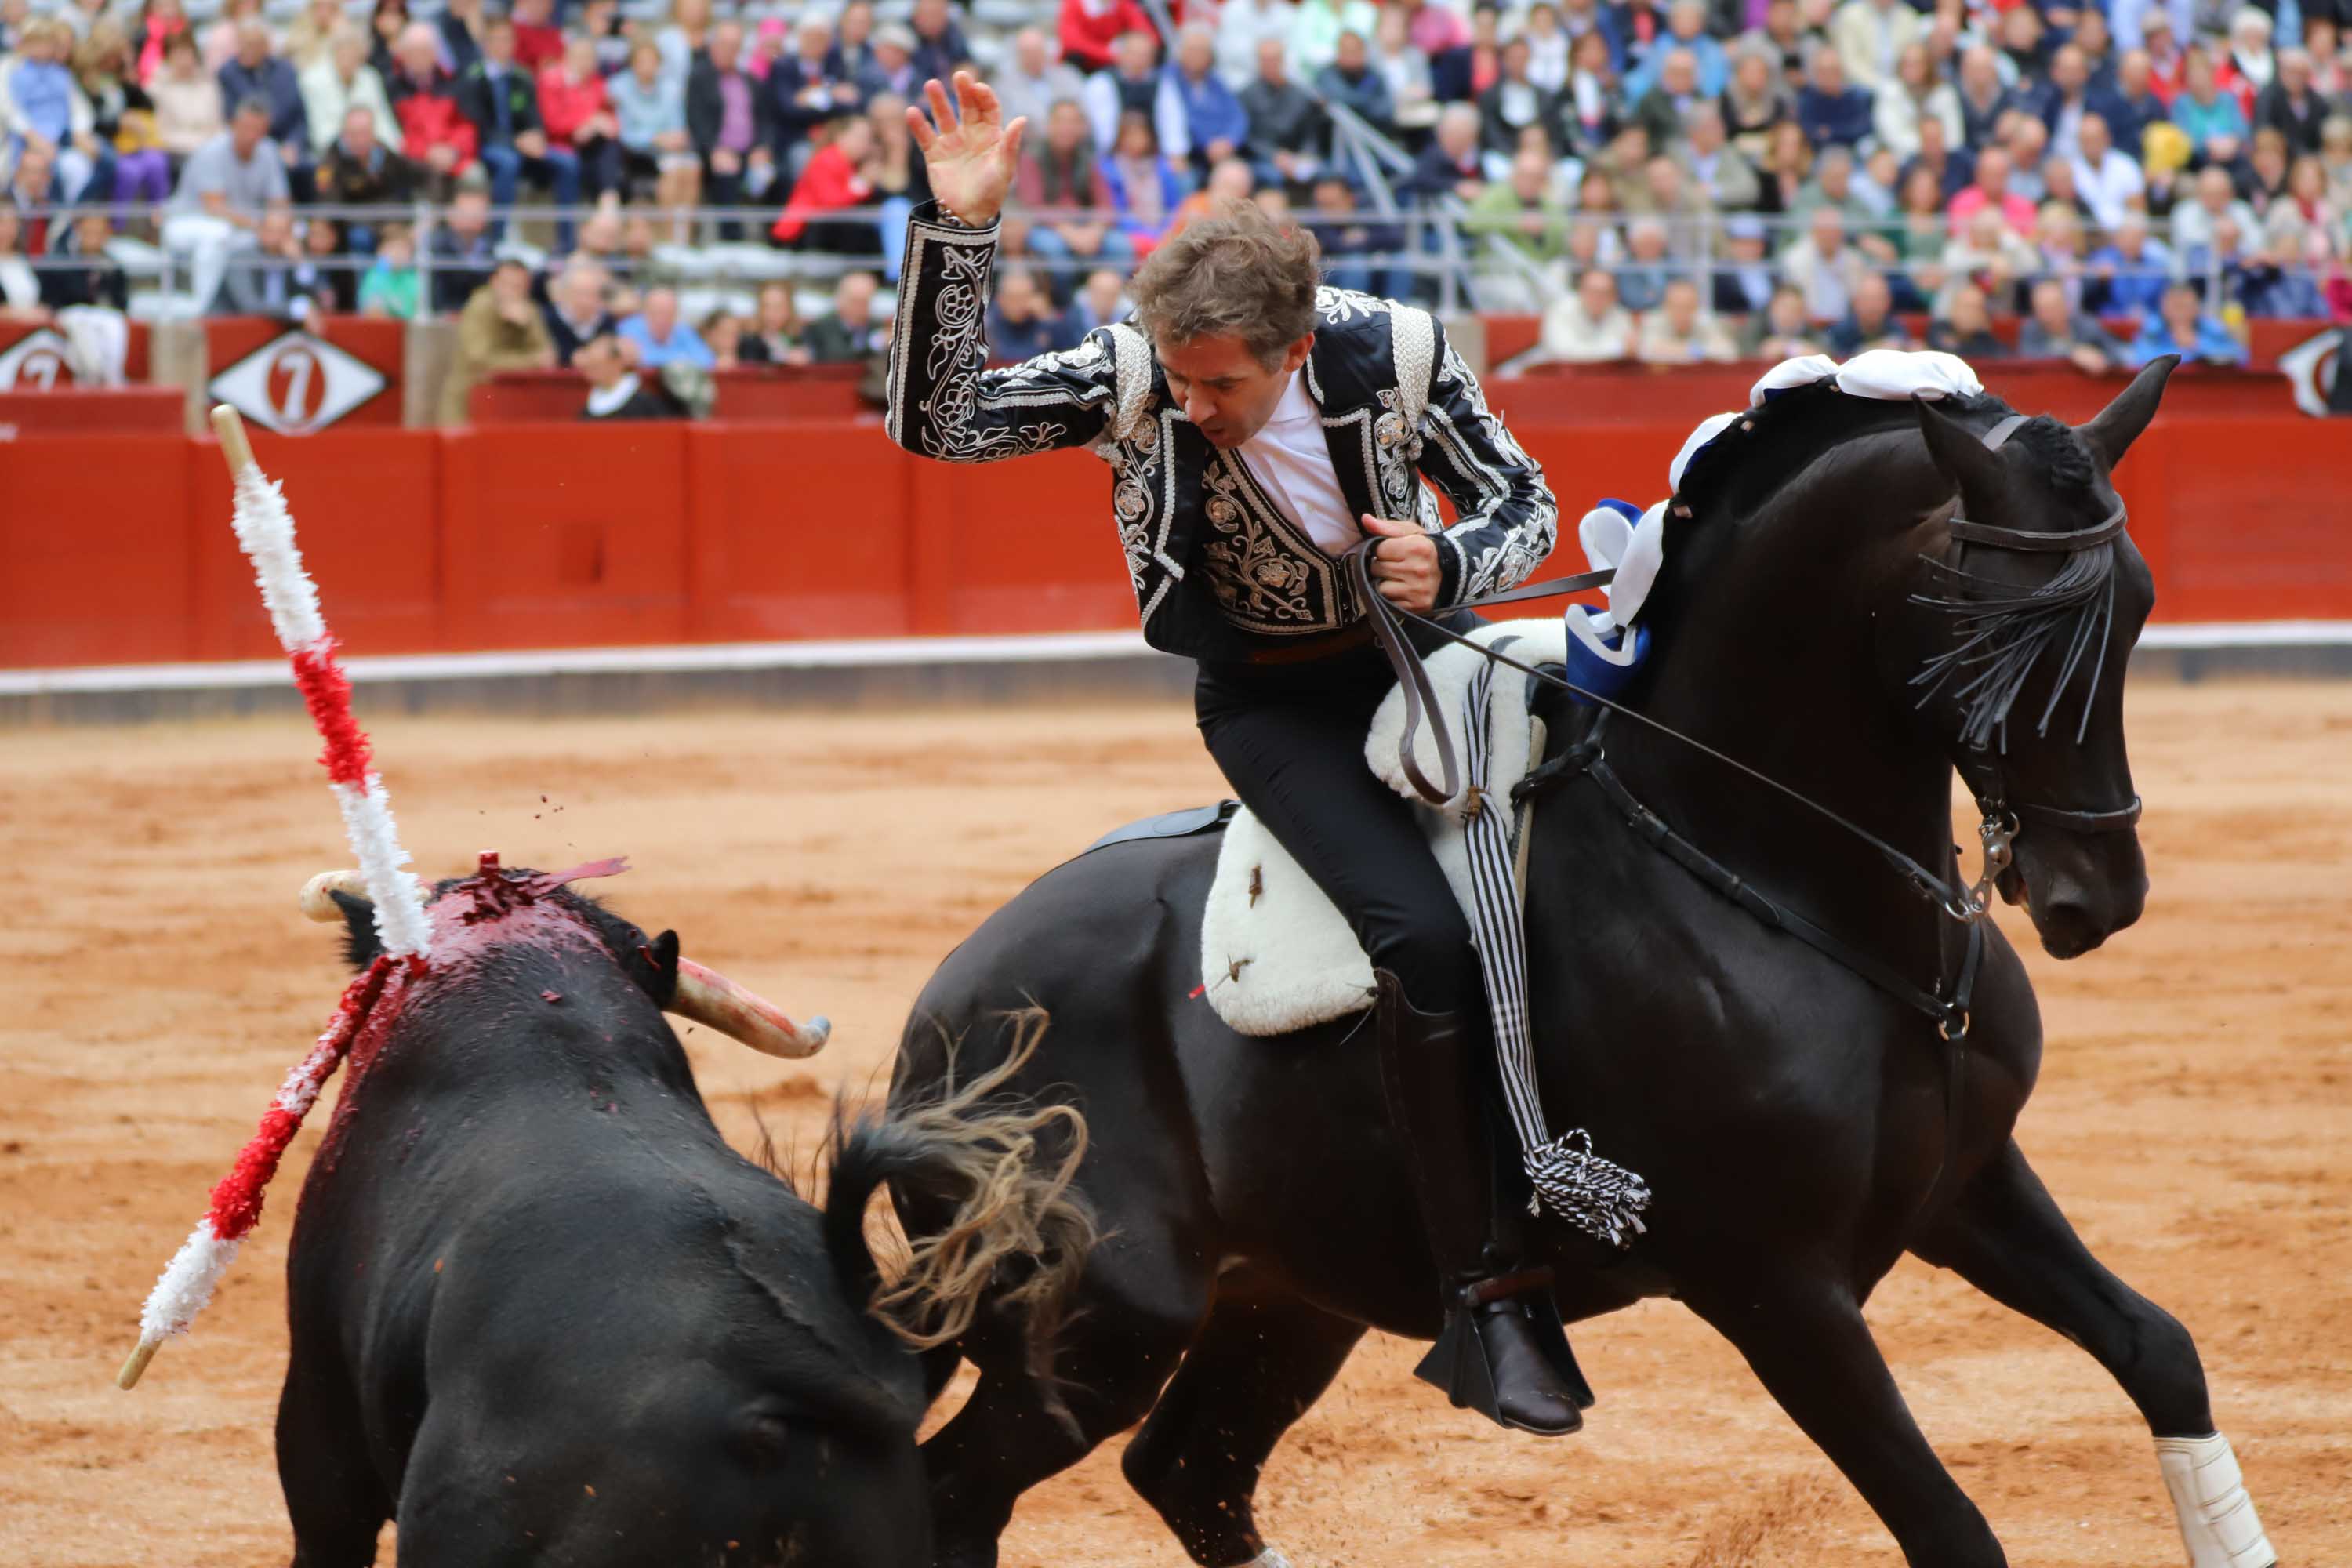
pixel 1982 774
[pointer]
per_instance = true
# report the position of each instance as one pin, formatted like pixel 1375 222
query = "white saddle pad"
pixel 1275 954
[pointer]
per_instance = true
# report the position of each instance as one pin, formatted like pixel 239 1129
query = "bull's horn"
pixel 709 997
pixel 318 906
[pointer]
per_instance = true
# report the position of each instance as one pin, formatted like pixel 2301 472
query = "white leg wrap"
pixel 1271 1557
pixel 2217 1517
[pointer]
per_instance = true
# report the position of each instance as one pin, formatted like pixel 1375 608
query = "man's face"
pixel 1992 172
pixel 1269 61
pixel 1066 127
pixel 359 133
pixel 2050 306
pixel 1029 52
pixel 1196 54
pixel 2068 70
pixel 498 43
pixel 510 284
pixel 1223 389
pixel 247 130
pixel 2094 140
pixel 276 228
pixel 2130 238
pixel 252 45
pixel 1871 299
pixel 852 300
pixel 469 215
pixel 1102 295
pixel 1017 297
pixel 661 313
pixel 1681 307
pixel 1706 132
pixel 726 45
pixel 1335 196
pixel 1134 52
pixel 1680 74
pixel 2180 312
pixel 1529 175
pixel 1598 294
pixel 1352 55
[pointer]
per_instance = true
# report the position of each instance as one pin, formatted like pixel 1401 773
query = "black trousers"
pixel 1290 738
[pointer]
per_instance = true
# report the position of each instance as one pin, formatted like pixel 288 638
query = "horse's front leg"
pixel 2006 1236
pixel 1806 1339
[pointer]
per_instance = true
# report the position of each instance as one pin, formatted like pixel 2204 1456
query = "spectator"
pixel 660 336
pixel 776 333
pixel 1145 190
pixel 575 308
pixel 1513 105
pixel 1350 82
pixel 1911 95
pixel 2026 143
pixel 1660 109
pixel 1825 267
pixel 1786 172
pixel 87 299
pixel 1832 185
pixel 1590 103
pixel 225 187
pixel 1131 83
pixel 2108 184
pixel 273 277
pixel 1675 333
pixel 1061 177
pixel 1549 46
pixel 1870 321
pixel 1965 328
pixel 940 47
pixel 20 286
pixel 835 180
pixel 2129 105
pixel 1716 170
pixel 1357 247
pixel 360 172
pixel 805 92
pixel 1920 234
pixel 1833 114
pixel 500 100
pixel 1034 82
pixel 615 390
pixel 1642 278
pixel 1685 34
pixel 896 170
pixel 2248 65
pixel 2181 326
pixel 2060 100
pixel 847 334
pixel 461 30
pixel 649 107
pixel 851 55
pixel 539 42
pixel 1228 182
pixel 1991 191
pixel 463 255
pixel 337 82
pixel 310 35
pixel 1022 320
pixel 2213 120
pixel 258 73
pixel 1871 37
pixel 2335 159
pixel 1102 300
pixel 1589 326
pixel 1195 115
pixel 1288 128
pixel 186 100
pixel 1743 283
pixel 122 118
pixel 2261 176
pixel 1984 99
pixel 1781 331
pixel 727 120
pixel 576 114
pixel 387 20
pixel 41 104
pixel 434 130
pixel 1522 212
pixel 2303 212
pixel 219 40
pixel 1244 28
pixel 892 68
pixel 1755 102
pixel 1405 69
pixel 1090 29
pixel 393 286
pixel 1449 165
pixel 2056 330
pixel 2129 274
pixel 2193 222
pixel 1990 255
pixel 722 331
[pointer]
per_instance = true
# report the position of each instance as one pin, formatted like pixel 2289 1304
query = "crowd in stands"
pixel 1666 180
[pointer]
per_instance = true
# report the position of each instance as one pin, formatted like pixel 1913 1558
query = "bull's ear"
pixel 2118 425
pixel 361 943
pixel 660 956
pixel 1959 453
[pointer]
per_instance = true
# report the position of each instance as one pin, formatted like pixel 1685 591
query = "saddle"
pixel 1275 954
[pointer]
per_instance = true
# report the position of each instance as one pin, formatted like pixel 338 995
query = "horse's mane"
pixel 2003 630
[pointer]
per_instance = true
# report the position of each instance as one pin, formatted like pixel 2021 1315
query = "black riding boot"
pixel 1502 1352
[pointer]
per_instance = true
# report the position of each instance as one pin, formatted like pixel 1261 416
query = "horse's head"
pixel 2016 652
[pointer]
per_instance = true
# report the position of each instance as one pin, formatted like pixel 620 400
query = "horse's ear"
pixel 2118 425
pixel 1959 452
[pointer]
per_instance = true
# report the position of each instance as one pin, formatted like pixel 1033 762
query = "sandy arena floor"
pixel 156 982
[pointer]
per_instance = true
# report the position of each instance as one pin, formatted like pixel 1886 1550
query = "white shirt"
pixel 1291 462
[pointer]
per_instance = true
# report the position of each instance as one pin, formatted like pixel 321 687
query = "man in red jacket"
pixel 434 131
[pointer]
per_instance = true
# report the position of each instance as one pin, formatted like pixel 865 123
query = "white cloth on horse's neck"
pixel 1292 464
pixel 1635 550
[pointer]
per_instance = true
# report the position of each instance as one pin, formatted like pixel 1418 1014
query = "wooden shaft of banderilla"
pixel 229 426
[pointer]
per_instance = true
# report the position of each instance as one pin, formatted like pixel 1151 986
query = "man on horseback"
pixel 1257 428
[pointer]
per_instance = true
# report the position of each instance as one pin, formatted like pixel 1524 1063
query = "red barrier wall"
pixel 581 535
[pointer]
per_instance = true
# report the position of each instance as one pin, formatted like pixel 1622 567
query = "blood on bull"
pixel 540 1310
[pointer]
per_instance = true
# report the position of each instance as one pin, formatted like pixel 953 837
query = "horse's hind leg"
pixel 2006 1236
pixel 1807 1342
pixel 1133 1317
pixel 1256 1367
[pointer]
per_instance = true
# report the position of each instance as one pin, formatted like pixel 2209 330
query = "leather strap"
pixel 2018 538
pixel 1420 696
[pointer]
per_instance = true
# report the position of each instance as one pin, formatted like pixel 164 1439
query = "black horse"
pixel 1790 1116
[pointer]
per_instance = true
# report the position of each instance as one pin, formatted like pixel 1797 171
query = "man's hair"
pixel 1236 274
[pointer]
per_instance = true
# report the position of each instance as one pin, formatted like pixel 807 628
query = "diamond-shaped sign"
pixel 296 383
pixel 36 362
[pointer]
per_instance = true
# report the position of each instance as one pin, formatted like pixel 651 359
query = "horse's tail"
pixel 996 1169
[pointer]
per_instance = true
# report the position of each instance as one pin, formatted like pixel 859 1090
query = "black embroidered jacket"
pixel 1219 572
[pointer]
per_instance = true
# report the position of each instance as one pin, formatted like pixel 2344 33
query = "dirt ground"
pixel 156 982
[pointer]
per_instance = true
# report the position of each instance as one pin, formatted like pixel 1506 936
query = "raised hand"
pixel 971 153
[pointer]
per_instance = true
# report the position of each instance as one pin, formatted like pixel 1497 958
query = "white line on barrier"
pixel 857 653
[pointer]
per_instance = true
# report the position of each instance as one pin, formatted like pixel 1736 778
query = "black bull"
pixel 1791 1118
pixel 542 1313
